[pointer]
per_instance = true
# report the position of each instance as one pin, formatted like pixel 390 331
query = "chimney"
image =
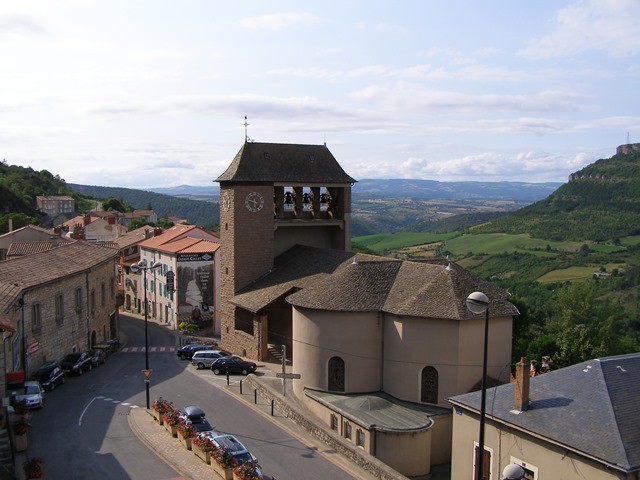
pixel 157 231
pixel 10 225
pixel 87 220
pixel 522 385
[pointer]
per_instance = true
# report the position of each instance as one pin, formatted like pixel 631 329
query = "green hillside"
pixel 600 203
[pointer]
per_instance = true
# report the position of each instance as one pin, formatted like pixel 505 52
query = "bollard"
pixel 272 402
pixel 255 396
pixel 227 378
pixel 240 387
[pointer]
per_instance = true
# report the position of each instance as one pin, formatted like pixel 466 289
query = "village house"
pixel 93 228
pixel 29 233
pixel 576 423
pixel 57 301
pixel 192 255
pixel 379 343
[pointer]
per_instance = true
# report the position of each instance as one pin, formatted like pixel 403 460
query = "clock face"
pixel 254 201
pixel 225 201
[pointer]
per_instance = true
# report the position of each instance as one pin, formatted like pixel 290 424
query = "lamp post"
pixel 477 303
pixel 513 472
pixel 135 268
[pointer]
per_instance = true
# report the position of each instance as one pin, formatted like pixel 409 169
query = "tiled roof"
pixel 17 249
pixel 590 408
pixel 133 237
pixel 379 410
pixel 278 162
pixel 20 273
pixel 330 280
pixel 167 236
pixel 189 245
pixel 54 197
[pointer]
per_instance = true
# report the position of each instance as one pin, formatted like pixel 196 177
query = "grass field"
pixel 395 241
pixel 576 273
pixel 491 243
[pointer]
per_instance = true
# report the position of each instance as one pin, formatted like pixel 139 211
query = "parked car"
pixel 204 358
pixel 196 416
pixel 32 394
pixel 187 351
pixel 237 450
pixel 97 357
pixel 76 363
pixel 50 375
pixel 225 365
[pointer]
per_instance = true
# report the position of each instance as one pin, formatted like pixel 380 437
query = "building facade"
pixel 58 301
pixel 192 255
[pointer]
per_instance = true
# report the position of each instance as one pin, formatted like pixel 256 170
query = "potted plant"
pixel 20 428
pixel 171 420
pixel 21 408
pixel 32 468
pixel 202 446
pixel 223 463
pixel 247 471
pixel 186 432
pixel 159 407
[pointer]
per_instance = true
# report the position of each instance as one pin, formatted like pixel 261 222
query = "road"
pixel 83 432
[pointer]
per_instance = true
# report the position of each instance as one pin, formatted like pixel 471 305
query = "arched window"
pixel 336 375
pixel 429 385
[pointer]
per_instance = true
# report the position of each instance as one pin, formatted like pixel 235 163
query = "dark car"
pixel 97 357
pixel 50 375
pixel 186 352
pixel 196 415
pixel 233 365
pixel 76 363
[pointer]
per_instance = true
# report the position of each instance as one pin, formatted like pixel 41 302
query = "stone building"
pixel 57 301
pixel 379 344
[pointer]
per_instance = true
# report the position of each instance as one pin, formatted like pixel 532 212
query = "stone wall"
pixel 355 454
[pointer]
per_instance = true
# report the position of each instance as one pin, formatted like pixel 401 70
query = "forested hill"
pixel 600 202
pixel 205 214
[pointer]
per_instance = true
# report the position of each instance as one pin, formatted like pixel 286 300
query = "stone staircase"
pixel 7 469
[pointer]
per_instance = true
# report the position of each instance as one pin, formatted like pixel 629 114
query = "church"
pixel 380 343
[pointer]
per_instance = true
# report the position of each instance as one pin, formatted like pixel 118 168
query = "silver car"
pixel 204 358
pixel 31 394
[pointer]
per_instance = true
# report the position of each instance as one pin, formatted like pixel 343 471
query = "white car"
pixel 31 394
pixel 204 358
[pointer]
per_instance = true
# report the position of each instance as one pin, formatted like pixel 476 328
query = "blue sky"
pixel 154 93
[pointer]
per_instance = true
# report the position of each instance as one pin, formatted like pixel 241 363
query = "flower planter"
pixel 225 473
pixel 172 429
pixel 20 442
pixel 157 416
pixel 205 456
pixel 185 441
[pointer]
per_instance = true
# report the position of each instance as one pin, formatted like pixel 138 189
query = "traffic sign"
pixel 147 374
pixel 288 375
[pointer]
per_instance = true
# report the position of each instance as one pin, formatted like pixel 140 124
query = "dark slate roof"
pixel 326 279
pixel 21 273
pixel 279 162
pixel 591 408
pixel 379 410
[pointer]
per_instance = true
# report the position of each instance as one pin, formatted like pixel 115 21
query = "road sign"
pixel 33 347
pixel 288 375
pixel 147 374
pixel 170 279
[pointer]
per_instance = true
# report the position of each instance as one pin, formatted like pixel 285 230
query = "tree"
pixel 115 204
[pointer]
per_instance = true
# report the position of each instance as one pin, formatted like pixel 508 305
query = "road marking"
pixel 151 349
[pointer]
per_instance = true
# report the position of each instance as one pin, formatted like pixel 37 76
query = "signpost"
pixel 170 280
pixel 146 374
pixel 284 375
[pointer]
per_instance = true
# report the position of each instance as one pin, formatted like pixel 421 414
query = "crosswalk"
pixel 151 349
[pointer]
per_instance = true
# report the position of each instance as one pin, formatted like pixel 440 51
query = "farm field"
pixel 576 273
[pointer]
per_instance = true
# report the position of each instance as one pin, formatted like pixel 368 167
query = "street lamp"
pixel 477 303
pixel 513 472
pixel 135 268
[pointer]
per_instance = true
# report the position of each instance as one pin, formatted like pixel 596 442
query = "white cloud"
pixel 16 23
pixel 610 26
pixel 278 21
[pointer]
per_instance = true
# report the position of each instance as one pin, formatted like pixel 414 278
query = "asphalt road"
pixel 83 433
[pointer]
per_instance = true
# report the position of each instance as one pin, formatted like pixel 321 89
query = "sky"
pixel 154 93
